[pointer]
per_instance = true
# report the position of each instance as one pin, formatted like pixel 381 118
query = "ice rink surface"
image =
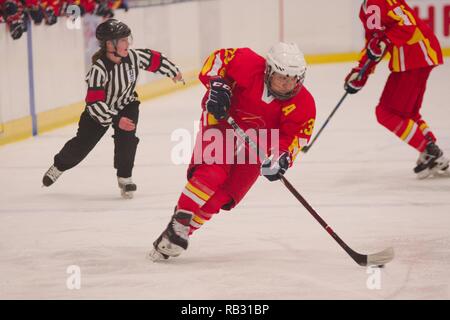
pixel 358 177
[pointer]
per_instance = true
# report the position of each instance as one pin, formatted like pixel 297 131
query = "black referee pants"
pixel 89 134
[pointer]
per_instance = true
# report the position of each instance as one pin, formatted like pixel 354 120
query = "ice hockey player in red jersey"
pixel 392 26
pixel 264 95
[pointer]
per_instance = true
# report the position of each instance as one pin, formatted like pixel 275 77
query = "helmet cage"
pixel 282 96
pixel 287 60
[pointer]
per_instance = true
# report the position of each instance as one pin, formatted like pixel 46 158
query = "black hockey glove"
pixel 219 99
pixel 16 29
pixel 273 169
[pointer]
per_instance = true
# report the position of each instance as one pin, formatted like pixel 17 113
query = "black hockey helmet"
pixel 112 29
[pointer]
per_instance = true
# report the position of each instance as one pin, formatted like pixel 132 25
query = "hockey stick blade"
pixel 381 258
pixel 374 259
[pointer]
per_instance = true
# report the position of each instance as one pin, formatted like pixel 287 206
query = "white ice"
pixel 358 177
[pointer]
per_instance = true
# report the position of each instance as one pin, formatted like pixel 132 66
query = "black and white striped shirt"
pixel 112 86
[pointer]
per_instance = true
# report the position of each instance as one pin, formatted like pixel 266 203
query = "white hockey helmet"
pixel 288 60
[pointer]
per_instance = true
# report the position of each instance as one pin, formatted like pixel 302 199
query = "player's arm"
pixel 374 51
pixel 296 127
pixel 154 61
pixel 220 64
pixel 398 27
pixel 216 76
pixel 96 96
pixel 376 46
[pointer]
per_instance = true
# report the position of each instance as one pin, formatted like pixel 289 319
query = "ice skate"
pixel 174 239
pixel 51 176
pixel 127 187
pixel 431 161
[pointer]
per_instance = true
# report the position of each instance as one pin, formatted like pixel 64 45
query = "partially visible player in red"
pixel 13 14
pixel 258 93
pixel 392 26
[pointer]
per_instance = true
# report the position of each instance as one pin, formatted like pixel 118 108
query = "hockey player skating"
pixel 112 100
pixel 392 26
pixel 259 94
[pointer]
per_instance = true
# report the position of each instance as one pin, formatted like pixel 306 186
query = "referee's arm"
pixel 154 61
pixel 96 96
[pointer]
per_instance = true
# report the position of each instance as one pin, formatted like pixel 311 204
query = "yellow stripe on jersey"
pixel 199 193
pixel 229 55
pixel 198 220
pixel 208 64
pixel 423 126
pixel 431 52
pixel 395 59
pixel 407 130
pixel 211 120
pixel 294 148
pixel 410 16
pixel 416 37
pixel 395 17
pixel 391 2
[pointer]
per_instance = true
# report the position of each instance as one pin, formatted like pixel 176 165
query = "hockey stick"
pixel 306 148
pixel 375 259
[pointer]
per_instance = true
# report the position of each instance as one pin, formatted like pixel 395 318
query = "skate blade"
pixel 441 173
pixel 434 173
pixel 156 256
pixel 424 174
pixel 127 195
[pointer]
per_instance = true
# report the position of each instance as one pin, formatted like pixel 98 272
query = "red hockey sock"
pixel 204 182
pixel 210 208
pixel 198 220
pixel 423 126
pixel 406 129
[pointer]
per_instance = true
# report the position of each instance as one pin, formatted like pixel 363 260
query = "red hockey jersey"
pixel 413 43
pixel 251 104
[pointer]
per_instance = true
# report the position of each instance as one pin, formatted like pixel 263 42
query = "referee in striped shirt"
pixel 112 100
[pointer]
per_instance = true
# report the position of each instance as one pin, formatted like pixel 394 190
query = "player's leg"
pixel 432 159
pixel 399 107
pixel 204 180
pixel 76 149
pixel 125 146
pixel 207 172
pixel 395 110
pixel 241 178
